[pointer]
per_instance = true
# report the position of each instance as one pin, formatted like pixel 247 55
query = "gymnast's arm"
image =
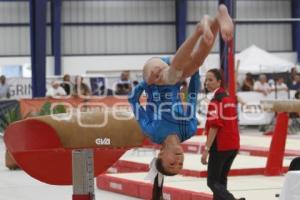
pixel 194 86
pixel 193 91
pixel 138 110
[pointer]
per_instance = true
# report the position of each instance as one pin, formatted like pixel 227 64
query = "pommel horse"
pixel 274 165
pixel 62 150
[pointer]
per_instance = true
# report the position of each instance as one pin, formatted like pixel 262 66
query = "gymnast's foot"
pixel 225 23
pixel 204 27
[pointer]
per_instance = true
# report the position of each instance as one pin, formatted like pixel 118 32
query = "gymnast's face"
pixel 172 158
pixel 154 73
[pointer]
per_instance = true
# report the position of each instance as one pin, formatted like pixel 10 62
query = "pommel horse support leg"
pixel 65 152
pixel 83 174
pixel 274 166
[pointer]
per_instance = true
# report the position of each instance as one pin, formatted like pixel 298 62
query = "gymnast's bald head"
pixel 158 72
pixel 152 69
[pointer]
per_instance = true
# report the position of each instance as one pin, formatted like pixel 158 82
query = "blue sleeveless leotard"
pixel 164 113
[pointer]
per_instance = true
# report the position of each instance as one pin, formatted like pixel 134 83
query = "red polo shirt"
pixel 222 114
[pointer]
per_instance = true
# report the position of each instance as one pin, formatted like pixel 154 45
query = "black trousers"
pixel 219 164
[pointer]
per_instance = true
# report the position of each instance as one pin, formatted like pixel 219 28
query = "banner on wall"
pixel 22 87
pixel 252 112
pixel 97 85
pixel 19 87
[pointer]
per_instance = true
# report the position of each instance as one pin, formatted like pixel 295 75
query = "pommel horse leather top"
pixel 90 129
pixel 281 105
pixel 42 146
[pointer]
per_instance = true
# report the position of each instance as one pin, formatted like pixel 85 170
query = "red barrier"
pixel 123 166
pixel 143 190
pixel 274 165
pixel 196 147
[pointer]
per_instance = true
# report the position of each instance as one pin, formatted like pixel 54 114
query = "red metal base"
pixel 82 197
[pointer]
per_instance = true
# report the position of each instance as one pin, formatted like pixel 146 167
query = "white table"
pixel 291 186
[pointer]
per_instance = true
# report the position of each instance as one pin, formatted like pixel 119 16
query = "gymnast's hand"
pixel 136 93
pixel 155 76
pixel 204 157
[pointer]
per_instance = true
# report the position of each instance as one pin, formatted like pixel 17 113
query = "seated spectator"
pixel 80 88
pixel 67 85
pixel 125 76
pixel 271 83
pixel 294 72
pixel 297 95
pixel 124 85
pixel 295 85
pixel 248 83
pixel 262 86
pixel 55 90
pixel 4 88
pixel 122 89
pixel 280 85
pixel 103 91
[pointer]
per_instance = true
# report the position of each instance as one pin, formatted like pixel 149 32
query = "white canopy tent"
pixel 256 60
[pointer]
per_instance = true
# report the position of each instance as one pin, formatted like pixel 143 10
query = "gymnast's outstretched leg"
pixel 192 53
pixel 157 71
pixel 221 22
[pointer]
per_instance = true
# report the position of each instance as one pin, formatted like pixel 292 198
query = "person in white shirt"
pixel 4 88
pixel 55 90
pixel 262 86
pixel 124 85
pixel 280 85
